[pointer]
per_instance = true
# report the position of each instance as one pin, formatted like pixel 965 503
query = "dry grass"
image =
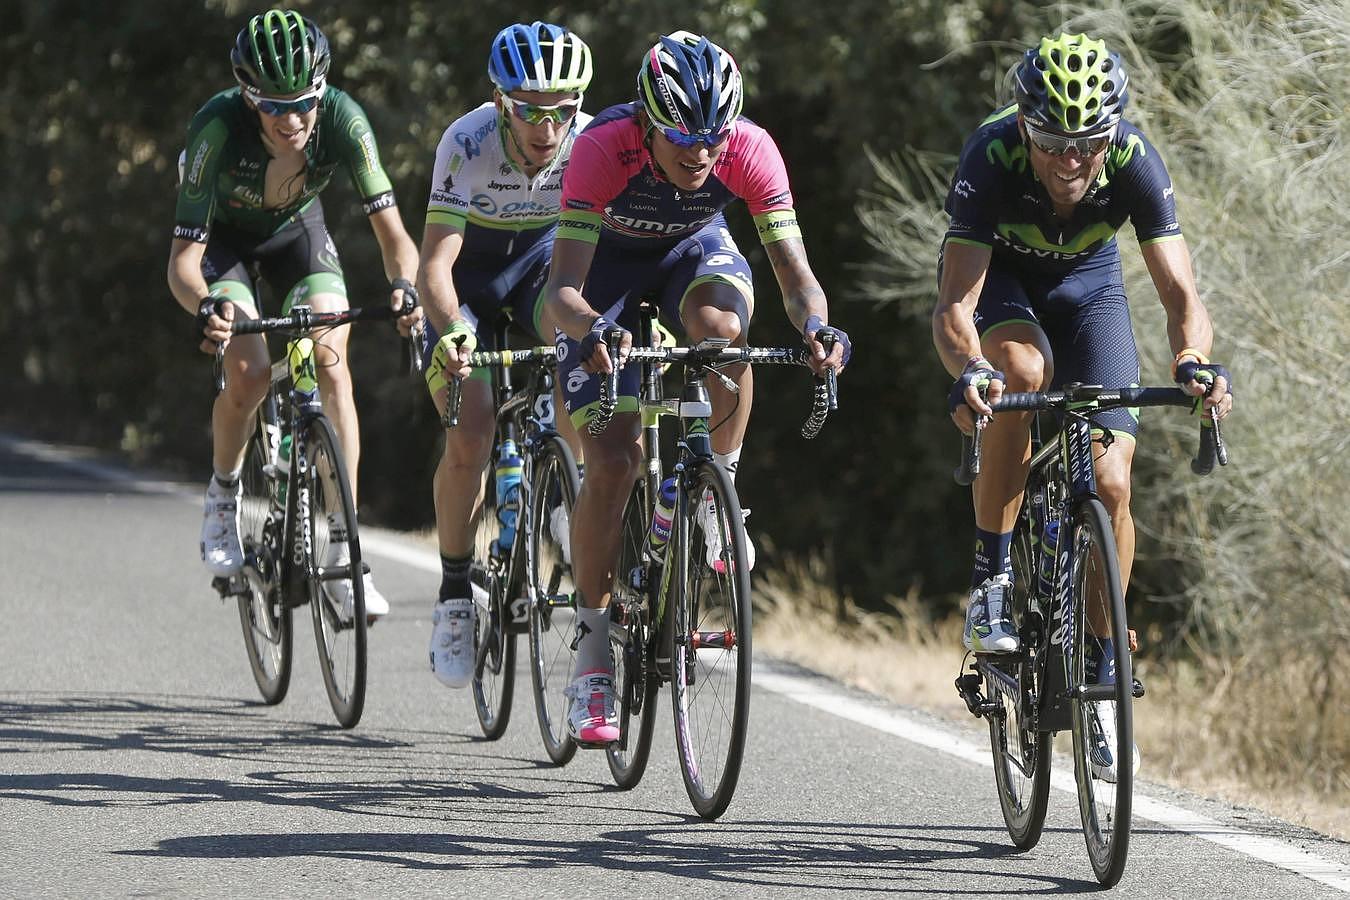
pixel 1212 730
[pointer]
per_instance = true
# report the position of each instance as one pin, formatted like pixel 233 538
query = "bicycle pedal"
pixel 968 686
pixel 593 745
pixel 231 586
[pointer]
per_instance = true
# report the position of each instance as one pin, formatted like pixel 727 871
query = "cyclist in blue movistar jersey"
pixel 489 234
pixel 1031 294
pixel 257 157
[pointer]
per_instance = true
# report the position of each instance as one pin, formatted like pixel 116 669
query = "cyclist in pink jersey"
pixel 642 219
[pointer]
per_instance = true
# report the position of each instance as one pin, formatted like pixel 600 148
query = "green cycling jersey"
pixel 225 166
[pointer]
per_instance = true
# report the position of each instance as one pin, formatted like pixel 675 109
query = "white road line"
pixel 814 693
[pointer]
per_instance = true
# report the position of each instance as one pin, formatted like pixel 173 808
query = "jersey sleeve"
pixel 759 176
pixel 356 147
pixel 589 183
pixel 1141 174
pixel 971 199
pixel 207 137
pixel 450 188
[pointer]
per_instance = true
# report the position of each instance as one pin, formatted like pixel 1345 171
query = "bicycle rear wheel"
pixel 265 619
pixel 710 688
pixel 337 597
pixel 630 631
pixel 497 578
pixel 553 492
pixel 1103 714
pixel 1021 753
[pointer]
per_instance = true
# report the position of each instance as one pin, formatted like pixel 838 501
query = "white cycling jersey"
pixel 476 186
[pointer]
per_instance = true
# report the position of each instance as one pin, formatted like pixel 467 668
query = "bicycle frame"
pixel 519 418
pixel 304 406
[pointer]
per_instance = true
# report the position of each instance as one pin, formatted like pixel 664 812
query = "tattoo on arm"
pixel 802 294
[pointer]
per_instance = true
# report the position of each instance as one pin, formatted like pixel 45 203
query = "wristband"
pixel 1199 357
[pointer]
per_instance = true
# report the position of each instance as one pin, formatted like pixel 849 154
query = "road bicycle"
pixel 681 610
pixel 521 555
pixel 295 513
pixel 1068 607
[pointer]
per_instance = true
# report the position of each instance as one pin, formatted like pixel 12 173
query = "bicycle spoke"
pixel 711 685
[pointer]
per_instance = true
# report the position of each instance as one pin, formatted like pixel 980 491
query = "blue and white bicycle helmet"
pixel 539 57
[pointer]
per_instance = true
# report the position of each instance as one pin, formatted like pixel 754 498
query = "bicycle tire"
pixel 340 637
pixel 1105 807
pixel 554 484
pixel 710 684
pixel 265 620
pixel 630 632
pixel 494 643
pixel 1021 753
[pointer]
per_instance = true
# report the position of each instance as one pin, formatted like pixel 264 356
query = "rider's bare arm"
pixel 396 249
pixel 802 294
pixel 567 274
pixel 1189 329
pixel 1169 265
pixel 964 266
pixel 441 245
pixel 185 274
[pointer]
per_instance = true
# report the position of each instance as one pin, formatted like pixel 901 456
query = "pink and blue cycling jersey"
pixel 612 194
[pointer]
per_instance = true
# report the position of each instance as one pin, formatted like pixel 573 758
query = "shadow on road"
pixel 455 808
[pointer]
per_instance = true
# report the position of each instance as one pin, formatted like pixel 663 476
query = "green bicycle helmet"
pixel 280 52
pixel 1072 85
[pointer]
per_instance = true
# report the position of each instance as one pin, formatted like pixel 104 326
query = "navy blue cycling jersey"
pixel 997 201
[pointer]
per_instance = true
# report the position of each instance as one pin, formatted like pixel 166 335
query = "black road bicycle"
pixel 524 571
pixel 1068 607
pixel 295 507
pixel 681 613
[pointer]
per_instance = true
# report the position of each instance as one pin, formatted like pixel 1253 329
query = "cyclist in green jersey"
pixel 257 157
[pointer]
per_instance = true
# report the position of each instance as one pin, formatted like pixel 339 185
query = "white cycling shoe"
pixel 592 719
pixel 1102 753
pixel 221 549
pixel 452 629
pixel 713 543
pixel 560 527
pixel 988 628
pixel 340 591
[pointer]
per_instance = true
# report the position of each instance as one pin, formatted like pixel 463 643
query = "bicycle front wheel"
pixel 335 574
pixel 1103 710
pixel 630 631
pixel 265 619
pixel 1021 753
pixel 497 581
pixel 553 492
pixel 710 687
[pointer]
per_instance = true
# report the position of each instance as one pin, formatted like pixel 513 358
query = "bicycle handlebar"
pixel 1211 446
pixel 824 395
pixel 302 318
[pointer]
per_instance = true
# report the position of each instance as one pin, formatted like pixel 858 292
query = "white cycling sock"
pixel 729 461
pixel 592 641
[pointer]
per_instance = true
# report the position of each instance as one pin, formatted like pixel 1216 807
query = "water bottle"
pixel 283 467
pixel 1046 566
pixel 508 494
pixel 662 518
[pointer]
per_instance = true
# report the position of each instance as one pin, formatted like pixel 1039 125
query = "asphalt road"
pixel 135 758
